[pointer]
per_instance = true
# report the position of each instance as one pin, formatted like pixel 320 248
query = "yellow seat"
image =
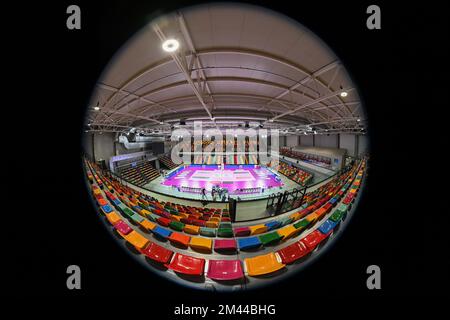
pixel 295 216
pixel 97 191
pixel 199 243
pixel 263 264
pixel 216 219
pixel 312 217
pixel 136 239
pixel 288 232
pixel 148 224
pixel 212 224
pixel 191 229
pixel 112 217
pixel 257 229
pixel 176 218
pixel 144 213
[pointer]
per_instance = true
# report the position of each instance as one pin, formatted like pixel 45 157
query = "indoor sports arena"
pixel 225 147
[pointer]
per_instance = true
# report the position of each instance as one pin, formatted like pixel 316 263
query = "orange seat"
pixel 264 264
pixel 113 217
pixel 147 224
pixel 136 239
pixel 179 238
pixel 191 229
pixel 212 224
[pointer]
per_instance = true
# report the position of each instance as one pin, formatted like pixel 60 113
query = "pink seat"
pixel 122 227
pixel 225 270
pixel 225 244
pixel 241 231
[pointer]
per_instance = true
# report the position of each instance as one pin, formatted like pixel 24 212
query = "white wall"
pixel 306 141
pixel 87 144
pixel 326 141
pixel 292 141
pixel 282 141
pixel 348 142
pixel 103 146
pixel 363 144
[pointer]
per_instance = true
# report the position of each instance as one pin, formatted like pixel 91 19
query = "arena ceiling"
pixel 235 65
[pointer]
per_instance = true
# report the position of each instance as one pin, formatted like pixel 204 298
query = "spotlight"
pixel 89 124
pixel 170 45
pixel 344 94
pixel 96 108
pixel 161 122
pixel 315 132
pixel 358 119
pixel 270 120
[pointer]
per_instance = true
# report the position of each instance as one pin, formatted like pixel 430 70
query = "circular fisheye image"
pixel 225 147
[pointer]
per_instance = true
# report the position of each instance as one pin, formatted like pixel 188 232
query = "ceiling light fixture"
pixel 344 94
pixel 96 108
pixel 170 45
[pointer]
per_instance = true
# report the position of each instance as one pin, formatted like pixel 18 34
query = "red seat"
pixel 225 244
pixel 180 239
pixel 225 270
pixel 122 227
pixel 157 253
pixel 187 264
pixel 241 231
pixel 313 239
pixel 293 252
pixel 164 221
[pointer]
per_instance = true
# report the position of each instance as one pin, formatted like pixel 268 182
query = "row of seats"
pixel 206 245
pixel 294 173
pixel 140 174
pixel 222 270
pixel 285 151
pixel 167 162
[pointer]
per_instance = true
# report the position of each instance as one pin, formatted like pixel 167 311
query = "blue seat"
pixel 107 209
pixel 161 232
pixel 327 226
pixel 333 200
pixel 116 202
pixel 272 225
pixel 248 243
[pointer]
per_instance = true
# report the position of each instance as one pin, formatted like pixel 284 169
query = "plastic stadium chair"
pixel 225 245
pixel 157 253
pixel 241 231
pixel 269 238
pixel 106 208
pixel 208 232
pixel 302 224
pixel 313 239
pixel 272 225
pixel 225 232
pixel 191 229
pixel 284 221
pixel 336 216
pixel 249 243
pixel 288 232
pixel 161 232
pixel 223 270
pixel 164 221
pixel 122 227
pixel 147 224
pixel 327 226
pixel 180 239
pixel 202 244
pixel 293 252
pixel 187 264
pixel 257 229
pixel 113 217
pixel 176 225
pixel 136 239
pixel 262 265
pixel 137 218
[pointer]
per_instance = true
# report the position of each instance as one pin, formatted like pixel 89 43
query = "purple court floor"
pixel 233 177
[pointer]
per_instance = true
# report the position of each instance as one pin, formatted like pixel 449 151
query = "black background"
pixel 400 224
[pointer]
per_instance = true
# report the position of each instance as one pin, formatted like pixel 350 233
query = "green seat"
pixel 225 225
pixel 153 217
pixel 269 238
pixel 128 212
pixel 343 207
pixel 302 224
pixel 137 218
pixel 122 206
pixel 336 216
pixel 208 232
pixel 225 232
pixel 176 225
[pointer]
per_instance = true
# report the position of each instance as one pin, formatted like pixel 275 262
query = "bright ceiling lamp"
pixel 344 94
pixel 96 108
pixel 170 45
